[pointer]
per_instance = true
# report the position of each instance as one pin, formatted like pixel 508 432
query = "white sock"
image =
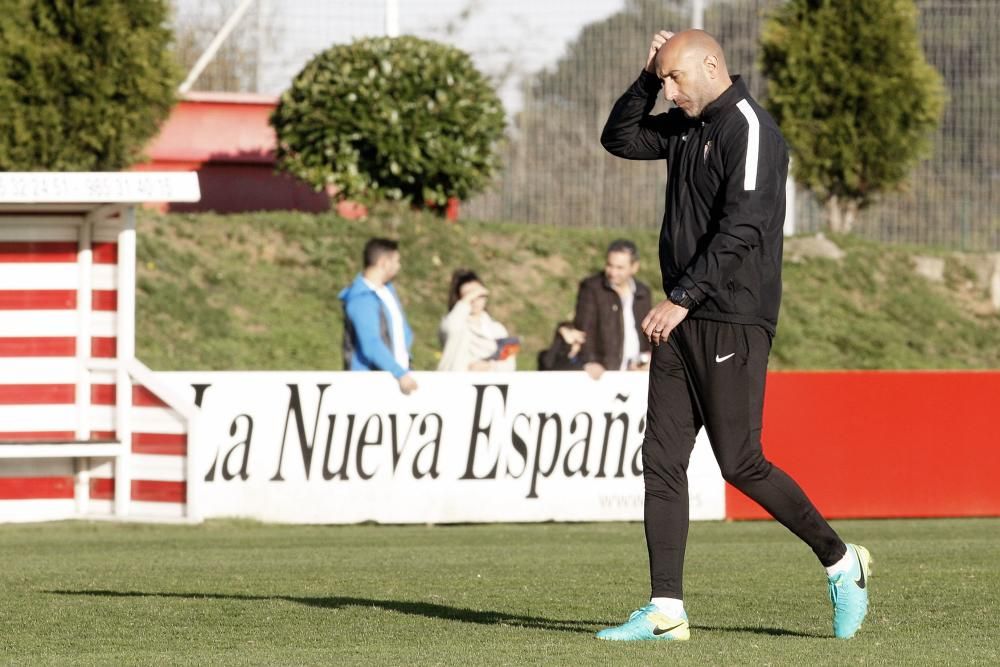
pixel 672 607
pixel 842 565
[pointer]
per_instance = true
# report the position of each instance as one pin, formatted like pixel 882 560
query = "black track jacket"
pixel 721 238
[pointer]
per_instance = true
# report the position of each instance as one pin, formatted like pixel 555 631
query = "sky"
pixel 507 39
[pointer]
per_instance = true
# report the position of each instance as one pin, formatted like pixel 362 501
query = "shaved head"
pixel 696 44
pixel 693 69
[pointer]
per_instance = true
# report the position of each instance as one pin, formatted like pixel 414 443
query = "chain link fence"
pixel 559 72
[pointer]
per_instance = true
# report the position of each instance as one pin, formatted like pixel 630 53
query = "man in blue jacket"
pixel 377 336
pixel 720 258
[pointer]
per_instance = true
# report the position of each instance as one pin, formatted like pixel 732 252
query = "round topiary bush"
pixel 390 118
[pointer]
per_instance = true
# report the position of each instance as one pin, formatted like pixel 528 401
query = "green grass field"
pixel 247 593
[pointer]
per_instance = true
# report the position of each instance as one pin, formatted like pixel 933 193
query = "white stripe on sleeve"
pixel 753 145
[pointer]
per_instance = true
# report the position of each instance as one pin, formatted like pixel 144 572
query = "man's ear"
pixel 711 64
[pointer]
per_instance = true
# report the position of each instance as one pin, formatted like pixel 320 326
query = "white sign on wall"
pixel 98 187
pixel 337 447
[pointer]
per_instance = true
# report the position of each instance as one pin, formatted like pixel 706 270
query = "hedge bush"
pixel 83 85
pixel 390 118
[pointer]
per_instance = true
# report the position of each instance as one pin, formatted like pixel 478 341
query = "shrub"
pixel 390 118
pixel 83 85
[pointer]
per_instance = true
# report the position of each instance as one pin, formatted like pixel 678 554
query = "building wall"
pixel 226 138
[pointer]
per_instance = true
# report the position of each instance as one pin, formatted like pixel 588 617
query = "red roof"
pixel 217 127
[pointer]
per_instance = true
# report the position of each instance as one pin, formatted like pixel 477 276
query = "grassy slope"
pixel 244 593
pixel 260 292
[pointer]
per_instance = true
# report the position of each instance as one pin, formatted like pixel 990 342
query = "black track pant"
pixel 712 374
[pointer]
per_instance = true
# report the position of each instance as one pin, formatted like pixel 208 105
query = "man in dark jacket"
pixel 609 308
pixel 720 257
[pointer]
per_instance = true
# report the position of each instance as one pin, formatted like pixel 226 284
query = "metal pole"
pixel 789 227
pixel 84 302
pixel 698 14
pixel 392 18
pixel 125 353
pixel 259 74
pixel 214 46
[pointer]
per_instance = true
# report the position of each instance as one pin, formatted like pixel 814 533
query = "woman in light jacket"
pixel 469 336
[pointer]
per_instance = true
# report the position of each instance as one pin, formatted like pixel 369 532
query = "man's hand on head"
pixel 659 39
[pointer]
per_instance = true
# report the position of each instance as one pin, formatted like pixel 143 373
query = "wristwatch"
pixel 680 296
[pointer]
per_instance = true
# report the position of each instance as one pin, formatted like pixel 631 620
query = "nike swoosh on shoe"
pixel 660 631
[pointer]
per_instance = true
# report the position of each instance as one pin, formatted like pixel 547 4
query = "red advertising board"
pixel 869 444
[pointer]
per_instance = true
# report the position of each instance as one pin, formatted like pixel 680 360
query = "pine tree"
pixel 84 84
pixel 854 96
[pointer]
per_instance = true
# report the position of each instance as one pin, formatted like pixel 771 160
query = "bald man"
pixel 720 258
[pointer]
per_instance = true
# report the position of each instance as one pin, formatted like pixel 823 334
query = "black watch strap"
pixel 680 296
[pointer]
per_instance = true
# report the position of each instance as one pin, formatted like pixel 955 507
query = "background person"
pixel 470 338
pixel 564 352
pixel 609 308
pixel 377 336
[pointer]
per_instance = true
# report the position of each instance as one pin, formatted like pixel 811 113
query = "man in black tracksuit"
pixel 720 257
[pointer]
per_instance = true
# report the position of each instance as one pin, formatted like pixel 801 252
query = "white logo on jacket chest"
pixel 704 151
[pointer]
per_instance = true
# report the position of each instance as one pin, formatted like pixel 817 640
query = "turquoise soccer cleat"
pixel 849 594
pixel 648 623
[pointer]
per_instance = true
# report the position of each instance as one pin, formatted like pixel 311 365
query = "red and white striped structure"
pixel 85 429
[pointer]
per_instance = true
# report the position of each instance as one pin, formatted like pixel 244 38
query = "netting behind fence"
pixel 560 70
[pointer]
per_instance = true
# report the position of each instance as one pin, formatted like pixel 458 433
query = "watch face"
pixel 679 296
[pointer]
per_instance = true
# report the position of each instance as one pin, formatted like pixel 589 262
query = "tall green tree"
pixel 854 96
pixel 84 84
